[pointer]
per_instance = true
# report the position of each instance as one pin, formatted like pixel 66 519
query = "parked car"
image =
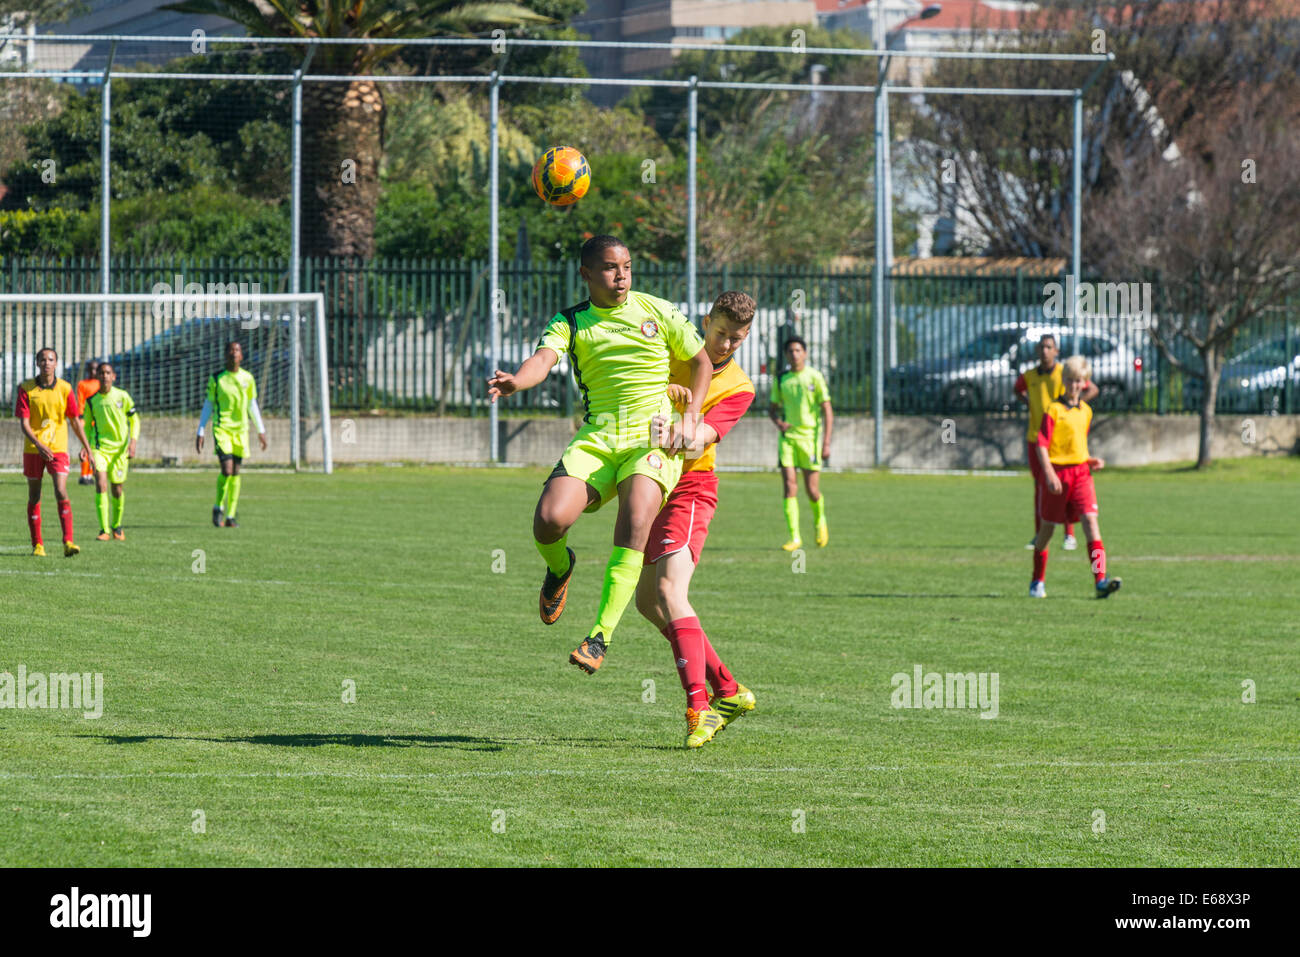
pixel 1254 381
pixel 981 376
pixel 169 371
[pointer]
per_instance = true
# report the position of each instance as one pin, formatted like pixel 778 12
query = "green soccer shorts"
pixel 113 462
pixel 231 442
pixel 800 452
pixel 597 456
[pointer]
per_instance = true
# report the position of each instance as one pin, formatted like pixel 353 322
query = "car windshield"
pixel 991 345
pixel 1264 353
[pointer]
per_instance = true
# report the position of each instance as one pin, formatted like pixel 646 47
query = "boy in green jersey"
pixel 799 396
pixel 619 343
pixel 230 401
pixel 112 427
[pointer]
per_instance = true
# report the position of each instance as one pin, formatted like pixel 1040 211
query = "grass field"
pixel 223 689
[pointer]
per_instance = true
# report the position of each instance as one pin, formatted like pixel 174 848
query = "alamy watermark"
pixel 74 691
pixel 1106 300
pixel 240 300
pixel 931 689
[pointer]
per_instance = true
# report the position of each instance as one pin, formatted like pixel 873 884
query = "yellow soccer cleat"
pixel 823 536
pixel 734 706
pixel 792 545
pixel 701 726
pixel 38 551
pixel 70 549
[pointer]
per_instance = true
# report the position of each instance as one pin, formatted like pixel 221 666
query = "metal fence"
pixel 414 334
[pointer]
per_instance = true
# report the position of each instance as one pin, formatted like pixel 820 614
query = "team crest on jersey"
pixel 655 461
pixel 649 328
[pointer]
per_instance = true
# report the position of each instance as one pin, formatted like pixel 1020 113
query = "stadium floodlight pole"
pixel 105 222
pixel 494 256
pixel 692 144
pixel 295 263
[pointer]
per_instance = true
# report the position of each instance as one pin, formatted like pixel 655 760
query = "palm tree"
pixel 343 123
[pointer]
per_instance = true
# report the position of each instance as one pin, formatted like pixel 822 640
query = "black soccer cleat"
pixel 1108 586
pixel 231 523
pixel 217 514
pixel 555 590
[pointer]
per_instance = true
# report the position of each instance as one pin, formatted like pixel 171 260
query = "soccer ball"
pixel 562 176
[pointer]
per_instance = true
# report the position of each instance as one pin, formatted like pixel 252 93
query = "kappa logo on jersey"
pixel 655 461
pixel 649 328
pixel 681 662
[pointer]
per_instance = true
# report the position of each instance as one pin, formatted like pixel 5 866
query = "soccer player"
pixel 85 389
pixel 1037 388
pixel 801 394
pixel 231 399
pixel 112 427
pixel 51 402
pixel 1068 492
pixel 678 534
pixel 619 343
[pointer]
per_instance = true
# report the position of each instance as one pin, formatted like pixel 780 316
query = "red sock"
pixel 1040 565
pixel 1097 555
pixel 1038 519
pixel 724 685
pixel 65 518
pixel 34 523
pixel 688 641
pixel 1069 529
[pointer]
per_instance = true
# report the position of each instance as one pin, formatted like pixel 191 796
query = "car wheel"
pixel 961 397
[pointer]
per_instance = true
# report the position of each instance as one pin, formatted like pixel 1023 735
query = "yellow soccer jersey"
pixel 48 409
pixel 620 355
pixel 800 396
pixel 1040 389
pixel 1064 432
pixel 729 397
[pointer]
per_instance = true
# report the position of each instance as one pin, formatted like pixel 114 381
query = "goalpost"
pixel 164 347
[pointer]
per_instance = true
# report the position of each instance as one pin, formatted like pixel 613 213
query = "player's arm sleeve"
pixel 683 341
pixel 555 336
pixel 1045 430
pixel 256 413
pixel 73 407
pixel 205 415
pixel 135 420
pixel 1021 387
pixel 823 392
pixel 21 409
pixel 728 412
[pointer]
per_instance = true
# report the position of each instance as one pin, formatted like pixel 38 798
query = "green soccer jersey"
pixel 800 395
pixel 231 394
pixel 620 355
pixel 110 419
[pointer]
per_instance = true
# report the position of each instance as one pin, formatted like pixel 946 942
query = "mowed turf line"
pixel 224 688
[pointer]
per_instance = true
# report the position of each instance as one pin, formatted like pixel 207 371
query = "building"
pixel 124 18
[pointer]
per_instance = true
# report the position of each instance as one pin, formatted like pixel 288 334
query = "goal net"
pixel 163 349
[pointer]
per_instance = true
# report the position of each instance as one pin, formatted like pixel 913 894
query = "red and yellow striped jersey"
pixel 730 395
pixel 49 410
pixel 1064 432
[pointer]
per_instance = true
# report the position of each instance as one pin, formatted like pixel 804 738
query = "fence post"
pixel 692 140
pixel 494 251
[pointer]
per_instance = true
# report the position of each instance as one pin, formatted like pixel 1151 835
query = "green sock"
pixel 555 555
pixel 101 506
pixel 819 511
pixel 119 503
pixel 232 489
pixel 621 575
pixel 222 479
pixel 792 518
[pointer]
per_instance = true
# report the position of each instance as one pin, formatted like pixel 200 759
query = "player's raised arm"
pixel 533 371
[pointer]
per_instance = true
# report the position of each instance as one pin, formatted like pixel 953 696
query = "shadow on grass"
pixel 463 742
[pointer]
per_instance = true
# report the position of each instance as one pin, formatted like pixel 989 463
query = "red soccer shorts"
pixel 34 466
pixel 683 522
pixel 1078 496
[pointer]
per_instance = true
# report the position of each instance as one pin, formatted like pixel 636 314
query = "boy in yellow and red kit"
pixel 1067 493
pixel 678 534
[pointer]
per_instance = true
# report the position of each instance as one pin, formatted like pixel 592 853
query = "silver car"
pixel 981 376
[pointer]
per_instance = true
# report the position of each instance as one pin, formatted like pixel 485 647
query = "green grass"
pixel 223 689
